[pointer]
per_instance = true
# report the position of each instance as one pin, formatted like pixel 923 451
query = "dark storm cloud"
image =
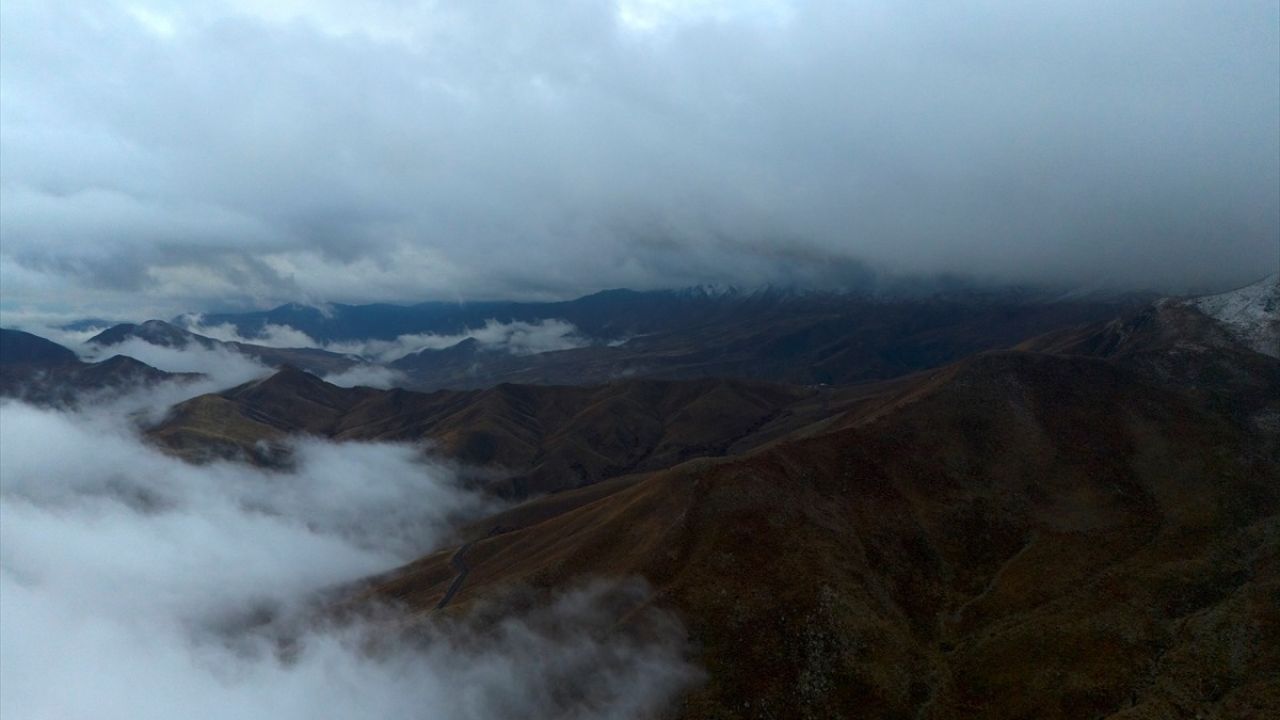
pixel 252 152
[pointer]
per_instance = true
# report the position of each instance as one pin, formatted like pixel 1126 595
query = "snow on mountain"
pixel 1251 313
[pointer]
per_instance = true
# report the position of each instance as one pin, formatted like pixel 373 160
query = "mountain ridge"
pixel 43 372
pixel 168 335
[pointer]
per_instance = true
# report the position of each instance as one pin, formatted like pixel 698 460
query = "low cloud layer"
pixel 375 376
pixel 227 153
pixel 222 367
pixel 237 365
pixel 271 335
pixel 132 583
pixel 516 337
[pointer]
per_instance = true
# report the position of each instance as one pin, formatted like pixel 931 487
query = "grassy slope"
pixel 1022 536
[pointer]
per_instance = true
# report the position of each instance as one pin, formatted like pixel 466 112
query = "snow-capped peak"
pixel 1250 313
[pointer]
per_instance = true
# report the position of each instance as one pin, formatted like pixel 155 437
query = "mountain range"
pixel 773 335
pixel 932 508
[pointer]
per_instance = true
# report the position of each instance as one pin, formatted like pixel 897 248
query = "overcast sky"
pixel 184 155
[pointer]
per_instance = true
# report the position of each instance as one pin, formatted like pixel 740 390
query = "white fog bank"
pixel 125 574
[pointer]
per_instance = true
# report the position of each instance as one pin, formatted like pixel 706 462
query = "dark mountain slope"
pixel 23 348
pixel 1019 535
pixel 252 421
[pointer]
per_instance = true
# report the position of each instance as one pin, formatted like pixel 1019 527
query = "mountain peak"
pixel 287 382
pixel 292 375
pixel 292 398
pixel 155 332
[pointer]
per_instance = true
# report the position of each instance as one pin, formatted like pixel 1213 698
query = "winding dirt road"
pixel 460 565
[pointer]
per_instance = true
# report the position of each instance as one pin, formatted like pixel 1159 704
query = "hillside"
pixel 526 439
pixel 1019 535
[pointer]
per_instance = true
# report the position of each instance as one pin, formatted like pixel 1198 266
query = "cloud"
pixel 203 370
pixel 530 338
pixel 52 325
pixel 271 334
pixel 517 337
pixel 366 375
pixel 222 367
pixel 137 586
pixel 235 153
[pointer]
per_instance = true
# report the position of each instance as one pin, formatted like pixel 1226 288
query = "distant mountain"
pixel 86 324
pixel 606 315
pixel 155 332
pixel 778 337
pixel 773 334
pixel 163 334
pixel 23 348
pixel 41 371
